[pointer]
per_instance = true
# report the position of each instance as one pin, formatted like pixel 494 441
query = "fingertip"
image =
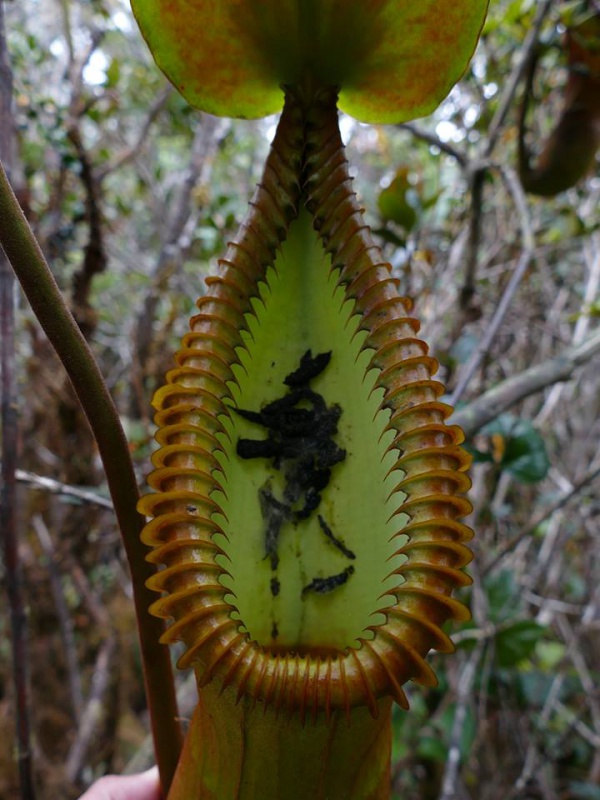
pixel 144 786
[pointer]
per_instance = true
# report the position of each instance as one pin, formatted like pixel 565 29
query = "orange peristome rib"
pixel 430 463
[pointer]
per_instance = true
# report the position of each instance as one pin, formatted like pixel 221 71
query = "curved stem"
pixel 37 281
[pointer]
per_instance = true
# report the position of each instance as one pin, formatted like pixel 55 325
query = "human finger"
pixel 145 786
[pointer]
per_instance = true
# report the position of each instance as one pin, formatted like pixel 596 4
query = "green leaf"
pixel 433 748
pixel 580 790
pixel 517 642
pixel 393 59
pixel 467 735
pixel 415 53
pixel 532 687
pixel 523 452
pixel 394 202
pixel 550 654
pixel 502 595
pixel 526 458
pixel 113 73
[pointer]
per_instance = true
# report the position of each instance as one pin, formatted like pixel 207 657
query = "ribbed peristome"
pixel 307 165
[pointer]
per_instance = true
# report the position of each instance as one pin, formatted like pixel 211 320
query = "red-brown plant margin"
pixel 307 166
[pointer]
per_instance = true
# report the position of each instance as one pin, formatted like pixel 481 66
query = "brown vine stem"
pixel 63 333
pixel 187 700
pixel 477 174
pixel 9 421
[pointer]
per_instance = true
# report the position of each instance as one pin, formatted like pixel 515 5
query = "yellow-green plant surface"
pixel 392 59
pixel 308 491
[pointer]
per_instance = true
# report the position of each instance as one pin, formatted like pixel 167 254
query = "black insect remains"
pixel 334 540
pixel 324 585
pixel 300 441
pixel 275 514
pixel 309 368
pixel 300 431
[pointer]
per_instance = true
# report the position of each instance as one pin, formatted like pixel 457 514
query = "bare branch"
pixel 532 754
pixel 56 487
pixel 93 714
pixel 435 141
pixel 94 255
pixel 527 531
pixel 502 397
pixel 129 153
pixel 515 78
pixel 582 729
pixel 176 240
pixel 520 202
pixel 478 171
pixel 575 655
pixel 66 623
pixel 463 694
pixel 592 252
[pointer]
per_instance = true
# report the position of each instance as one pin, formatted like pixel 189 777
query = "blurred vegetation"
pixel 132 196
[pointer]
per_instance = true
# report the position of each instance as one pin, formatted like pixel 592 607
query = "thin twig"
pixel 511 85
pixel 89 596
pixel 514 187
pixel 435 141
pixel 581 326
pixel 532 754
pixel 576 657
pixel 506 394
pixel 553 704
pixel 133 150
pixel 175 242
pixel 478 171
pixel 463 693
pixel 590 736
pixel 93 714
pixel 56 487
pixel 9 423
pixel 555 605
pixel 67 630
pixel 525 532
pixel 475 634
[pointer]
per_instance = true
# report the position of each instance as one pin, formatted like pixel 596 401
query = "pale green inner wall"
pixel 302 310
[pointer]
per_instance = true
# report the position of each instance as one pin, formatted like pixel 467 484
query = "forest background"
pixel 132 196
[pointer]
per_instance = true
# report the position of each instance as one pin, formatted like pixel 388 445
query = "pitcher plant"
pixel 305 525
pixel 307 489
